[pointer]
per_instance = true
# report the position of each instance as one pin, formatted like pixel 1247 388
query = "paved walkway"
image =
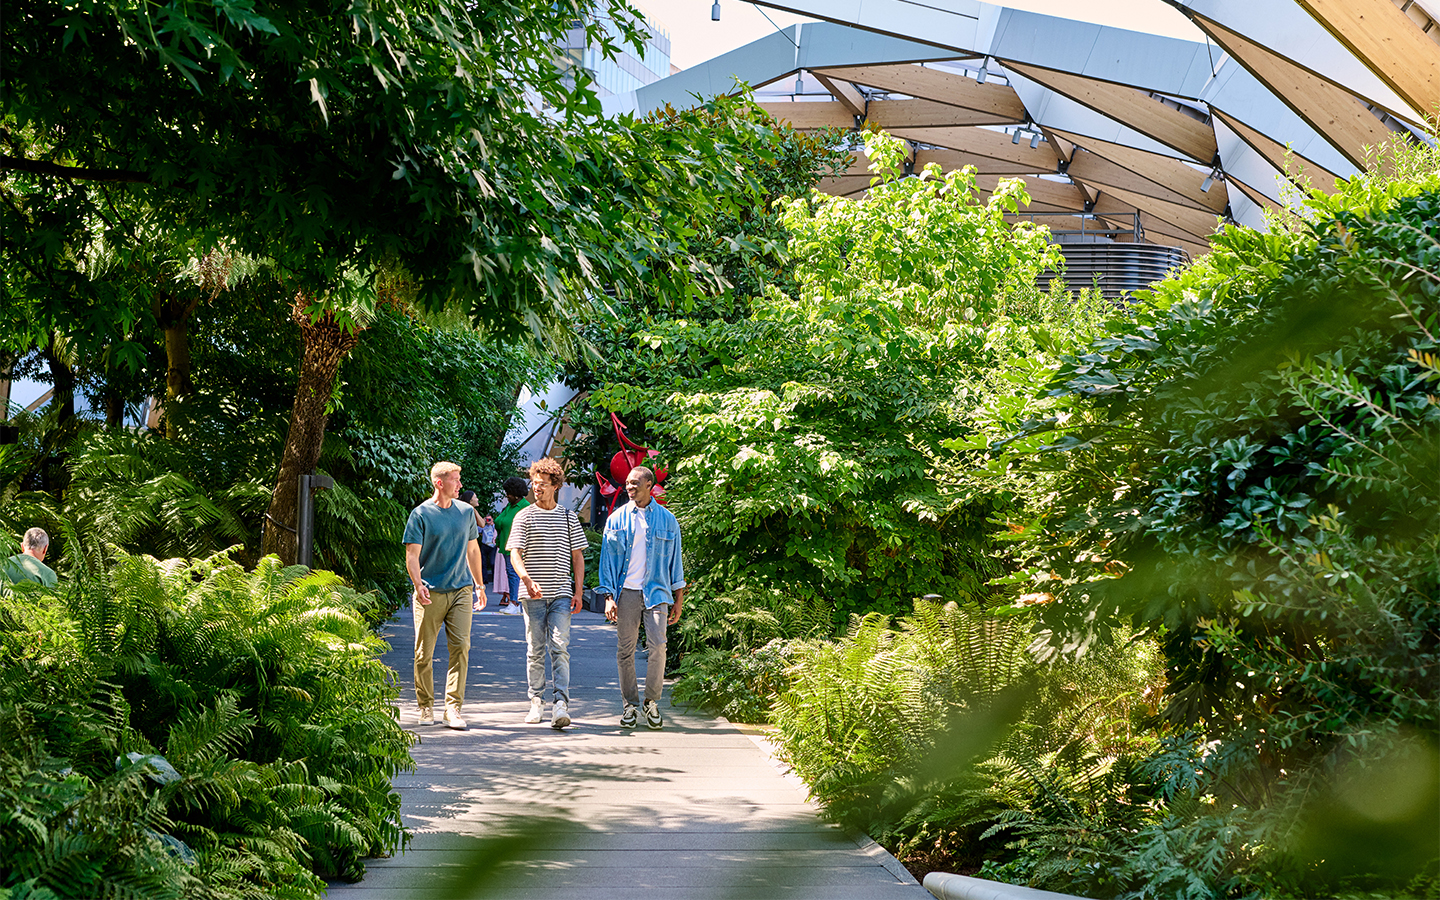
pixel 698 810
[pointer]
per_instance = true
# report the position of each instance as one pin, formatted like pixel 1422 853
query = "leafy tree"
pixel 803 451
pixel 413 139
pixel 744 244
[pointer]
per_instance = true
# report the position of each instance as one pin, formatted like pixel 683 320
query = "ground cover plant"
pixel 193 730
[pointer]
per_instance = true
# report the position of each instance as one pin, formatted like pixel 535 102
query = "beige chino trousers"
pixel 451 609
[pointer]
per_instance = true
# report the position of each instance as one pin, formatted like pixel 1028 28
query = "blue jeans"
pixel 514 576
pixel 547 629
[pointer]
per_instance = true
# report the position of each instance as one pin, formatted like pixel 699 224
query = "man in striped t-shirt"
pixel 547 547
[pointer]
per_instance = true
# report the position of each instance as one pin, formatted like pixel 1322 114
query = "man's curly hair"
pixel 548 469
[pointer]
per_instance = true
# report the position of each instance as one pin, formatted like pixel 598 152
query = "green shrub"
pixel 801 451
pixel 923 731
pixel 262 693
pixel 740 685
pixel 1247 468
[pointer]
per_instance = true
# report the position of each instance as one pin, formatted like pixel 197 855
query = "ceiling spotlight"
pixel 800 82
pixel 1016 138
pixel 715 11
pixel 984 72
pixel 1215 173
pixel 1035 140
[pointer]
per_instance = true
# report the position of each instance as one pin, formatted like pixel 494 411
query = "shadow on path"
pixel 509 810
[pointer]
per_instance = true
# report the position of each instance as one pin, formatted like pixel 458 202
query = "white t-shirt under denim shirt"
pixel 635 569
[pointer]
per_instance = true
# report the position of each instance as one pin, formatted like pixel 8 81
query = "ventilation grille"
pixel 1118 269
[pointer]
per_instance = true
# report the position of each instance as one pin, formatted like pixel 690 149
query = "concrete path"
pixel 697 810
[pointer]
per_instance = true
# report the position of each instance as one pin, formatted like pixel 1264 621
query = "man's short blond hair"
pixel 442 468
pixel 549 468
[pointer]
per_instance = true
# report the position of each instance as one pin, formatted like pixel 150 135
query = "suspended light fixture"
pixel 715 11
pixel 1215 172
pixel 800 82
pixel 984 72
pixel 1034 140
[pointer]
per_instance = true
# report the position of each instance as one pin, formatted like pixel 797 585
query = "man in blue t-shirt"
pixel 442 557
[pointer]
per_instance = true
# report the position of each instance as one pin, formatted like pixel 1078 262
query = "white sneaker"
pixel 560 715
pixel 537 711
pixel 453 720
pixel 512 610
pixel 427 716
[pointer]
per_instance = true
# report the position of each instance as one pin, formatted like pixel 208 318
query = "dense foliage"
pixel 1250 461
pixel 348 151
pixel 744 245
pixel 193 730
pixel 410 393
pixel 1202 542
pixel 802 453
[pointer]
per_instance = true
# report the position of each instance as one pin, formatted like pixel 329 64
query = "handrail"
pixel 945 886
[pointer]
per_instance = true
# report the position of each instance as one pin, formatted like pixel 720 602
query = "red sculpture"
pixel 631 455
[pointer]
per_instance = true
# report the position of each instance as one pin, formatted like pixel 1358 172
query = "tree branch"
pixel 36 167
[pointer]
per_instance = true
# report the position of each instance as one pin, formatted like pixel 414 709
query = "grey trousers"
pixel 630 608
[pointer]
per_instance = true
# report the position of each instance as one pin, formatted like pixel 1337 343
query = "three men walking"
pixel 641 578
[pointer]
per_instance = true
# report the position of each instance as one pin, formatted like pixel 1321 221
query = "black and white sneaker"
pixel 653 721
pixel 630 716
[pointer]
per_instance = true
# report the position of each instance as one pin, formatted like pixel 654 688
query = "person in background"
pixel 469 498
pixel 510 597
pixel 29 563
pixel 488 536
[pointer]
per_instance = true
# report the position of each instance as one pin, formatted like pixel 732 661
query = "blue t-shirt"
pixel 443 536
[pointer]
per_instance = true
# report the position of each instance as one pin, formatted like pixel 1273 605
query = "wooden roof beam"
pixel 811 116
pixel 1144 173
pixel 1278 155
pixel 983 142
pixel 1198 223
pixel 949 88
pixel 1335 113
pixel 1387 41
pixel 843 91
pixel 1130 107
pixel 887 114
pixel 890 114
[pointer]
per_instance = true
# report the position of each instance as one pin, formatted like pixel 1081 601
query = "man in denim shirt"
pixel 641 575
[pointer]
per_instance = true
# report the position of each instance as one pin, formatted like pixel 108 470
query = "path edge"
pixel 760 737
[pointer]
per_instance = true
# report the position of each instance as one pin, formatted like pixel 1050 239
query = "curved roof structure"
pixel 1155 136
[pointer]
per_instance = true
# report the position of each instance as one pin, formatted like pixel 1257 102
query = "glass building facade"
pixel 628 71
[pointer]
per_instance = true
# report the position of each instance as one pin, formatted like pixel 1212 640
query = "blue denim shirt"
pixel 664 573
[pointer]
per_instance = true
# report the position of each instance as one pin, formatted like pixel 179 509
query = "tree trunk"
pixel 114 408
pixel 62 380
pixel 325 345
pixel 54 477
pixel 173 315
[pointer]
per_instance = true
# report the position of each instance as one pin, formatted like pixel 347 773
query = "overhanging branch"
pixel 36 167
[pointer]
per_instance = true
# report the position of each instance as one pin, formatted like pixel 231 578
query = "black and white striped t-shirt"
pixel 545 538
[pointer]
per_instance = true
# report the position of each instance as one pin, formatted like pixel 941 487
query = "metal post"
pixel 305 516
